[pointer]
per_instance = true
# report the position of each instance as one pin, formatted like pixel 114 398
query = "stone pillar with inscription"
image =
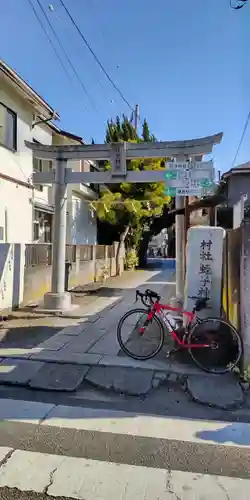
pixel 204 268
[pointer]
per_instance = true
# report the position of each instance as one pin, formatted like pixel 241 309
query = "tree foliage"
pixel 131 207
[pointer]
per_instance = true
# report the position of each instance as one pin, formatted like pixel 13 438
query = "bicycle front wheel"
pixel 138 338
pixel 223 345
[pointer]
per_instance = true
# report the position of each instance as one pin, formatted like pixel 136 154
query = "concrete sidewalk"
pixel 88 338
pixel 85 351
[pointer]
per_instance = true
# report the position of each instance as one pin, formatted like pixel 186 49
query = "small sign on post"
pixel 118 159
pixel 189 178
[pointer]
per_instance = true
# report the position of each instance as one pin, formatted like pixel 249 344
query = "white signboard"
pixel 204 267
pixel 196 165
pixel 188 191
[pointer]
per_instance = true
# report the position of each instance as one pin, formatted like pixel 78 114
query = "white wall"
pixel 43 134
pixel 15 211
pixel 82 228
pixel 18 164
pixel 15 204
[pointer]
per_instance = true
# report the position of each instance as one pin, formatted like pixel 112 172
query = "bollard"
pixel 68 267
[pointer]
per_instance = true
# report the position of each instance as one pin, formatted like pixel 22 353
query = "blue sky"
pixel 185 62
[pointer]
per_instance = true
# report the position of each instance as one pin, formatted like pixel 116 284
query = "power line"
pixel 50 41
pixel 66 55
pixel 95 56
pixel 241 139
pixel 54 12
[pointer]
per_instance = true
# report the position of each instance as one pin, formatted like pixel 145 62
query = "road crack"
pixel 169 485
pixel 51 480
pixel 223 489
pixel 7 457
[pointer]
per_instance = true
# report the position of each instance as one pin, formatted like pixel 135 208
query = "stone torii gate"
pixel 117 153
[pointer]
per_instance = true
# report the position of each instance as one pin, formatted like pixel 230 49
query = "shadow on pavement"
pixel 236 433
pixel 25 337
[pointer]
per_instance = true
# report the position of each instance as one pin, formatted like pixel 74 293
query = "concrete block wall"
pixel 37 279
pixel 11 275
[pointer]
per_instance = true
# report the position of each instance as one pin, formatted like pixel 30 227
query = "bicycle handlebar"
pixel 148 295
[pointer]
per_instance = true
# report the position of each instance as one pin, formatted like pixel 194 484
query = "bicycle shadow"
pixel 235 433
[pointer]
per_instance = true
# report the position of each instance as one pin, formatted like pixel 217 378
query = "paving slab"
pixel 24 411
pixel 64 356
pixel 108 344
pixel 167 365
pixel 56 342
pixel 18 371
pixel 220 391
pixel 16 352
pixel 59 377
pixel 82 343
pixel 74 329
pixel 124 380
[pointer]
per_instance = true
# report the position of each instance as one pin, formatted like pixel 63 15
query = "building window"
pixel 38 167
pixel 8 128
pixel 36 230
pixel 42 227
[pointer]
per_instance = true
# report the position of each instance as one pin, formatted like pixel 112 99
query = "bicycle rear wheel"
pixel 225 345
pixel 136 343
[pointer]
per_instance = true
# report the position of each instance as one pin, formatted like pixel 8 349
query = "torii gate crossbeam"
pixel 117 153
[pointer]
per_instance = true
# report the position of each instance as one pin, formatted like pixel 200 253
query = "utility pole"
pixel 136 116
pixel 179 253
pixel 186 227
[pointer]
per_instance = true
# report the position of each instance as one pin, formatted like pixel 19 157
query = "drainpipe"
pixel 6 225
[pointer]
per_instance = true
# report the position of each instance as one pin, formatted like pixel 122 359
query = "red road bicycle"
pixel 213 343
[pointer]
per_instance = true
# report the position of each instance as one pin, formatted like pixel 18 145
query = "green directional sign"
pixel 205 183
pixel 171 174
pixel 170 191
pixel 209 190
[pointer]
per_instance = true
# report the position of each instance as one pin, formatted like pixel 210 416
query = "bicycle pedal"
pixel 173 351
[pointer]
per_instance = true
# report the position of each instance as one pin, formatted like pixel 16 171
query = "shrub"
pixel 131 259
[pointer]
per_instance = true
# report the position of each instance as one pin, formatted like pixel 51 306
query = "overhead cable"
pixel 241 139
pixel 95 56
pixel 66 55
pixel 49 40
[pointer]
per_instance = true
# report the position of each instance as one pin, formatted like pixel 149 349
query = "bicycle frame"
pixel 157 308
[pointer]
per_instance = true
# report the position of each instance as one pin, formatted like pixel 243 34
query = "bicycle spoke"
pixel 139 338
pixel 223 343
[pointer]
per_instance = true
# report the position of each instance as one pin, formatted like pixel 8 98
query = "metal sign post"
pixel 118 154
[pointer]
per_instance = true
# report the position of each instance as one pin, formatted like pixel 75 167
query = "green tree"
pixel 131 207
pixel 146 132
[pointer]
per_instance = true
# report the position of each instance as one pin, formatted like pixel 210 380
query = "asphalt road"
pixel 188 456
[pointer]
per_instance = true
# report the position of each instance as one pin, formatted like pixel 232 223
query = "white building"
pixel 26 211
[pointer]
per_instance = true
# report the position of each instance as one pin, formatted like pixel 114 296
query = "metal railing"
pixel 38 254
pixel 86 253
pixel 70 254
pixel 100 252
pixel 111 252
